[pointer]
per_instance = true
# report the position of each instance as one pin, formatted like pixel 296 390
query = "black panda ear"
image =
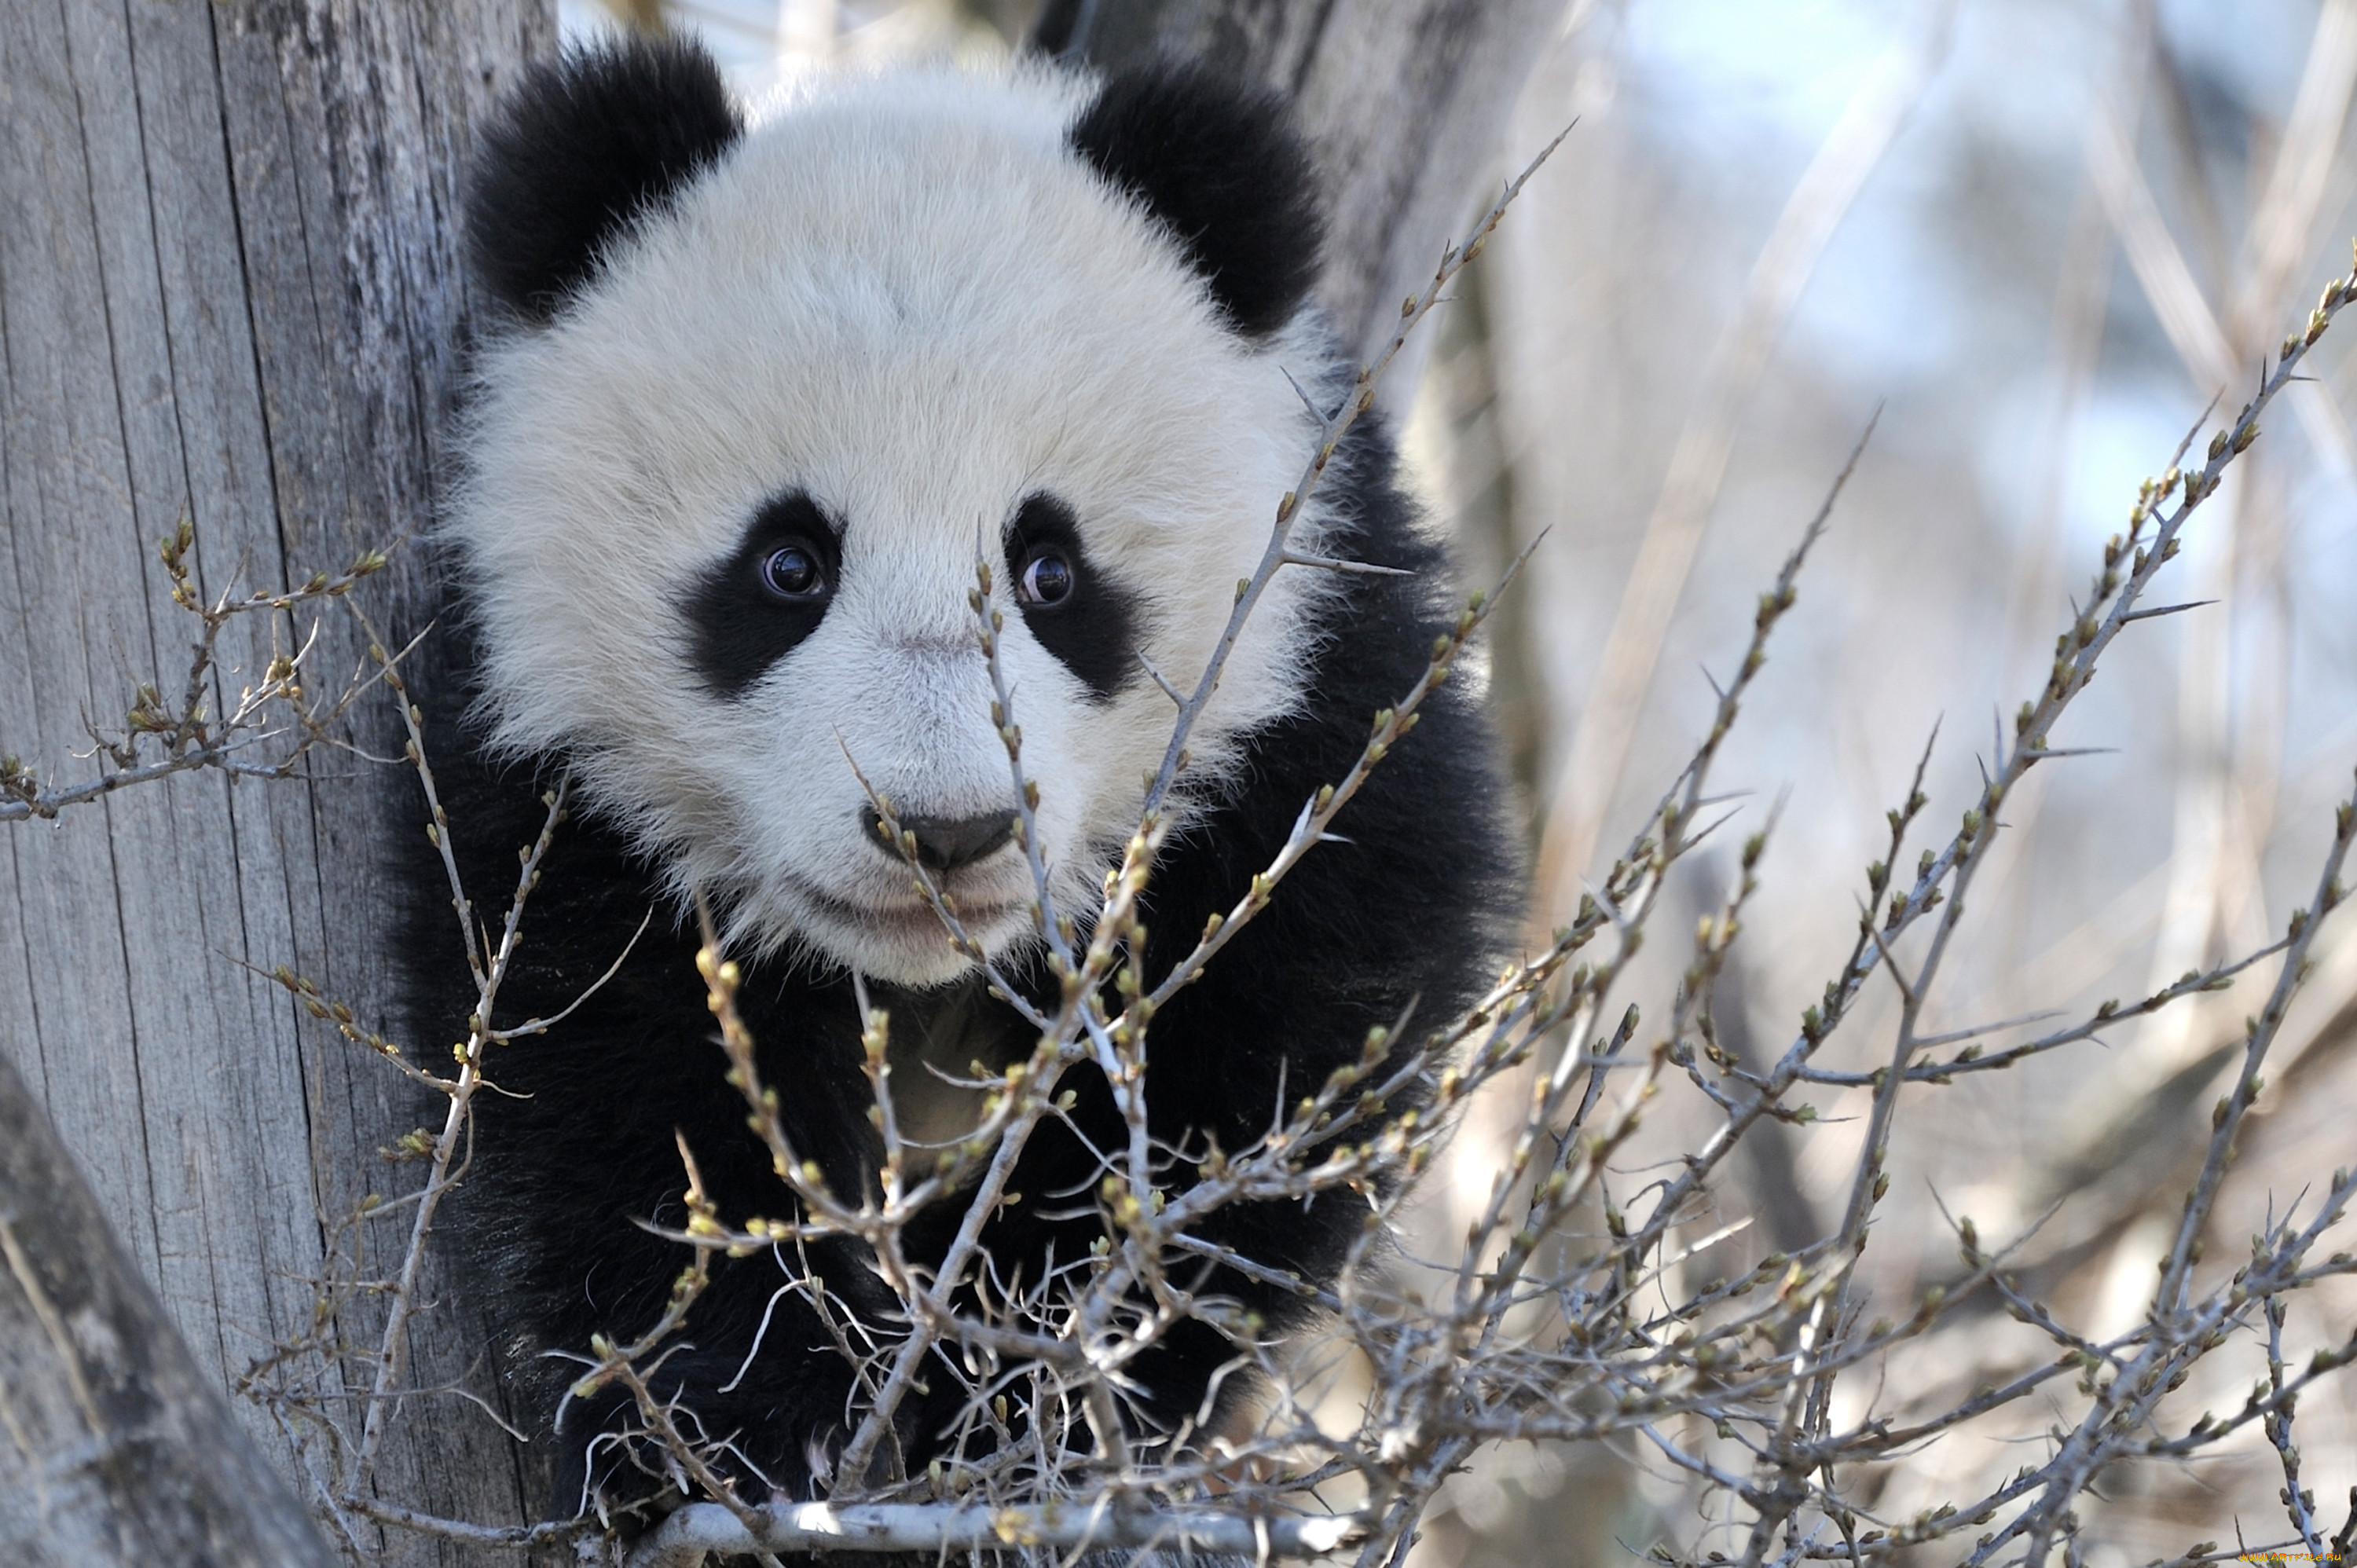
pixel 589 143
pixel 1220 163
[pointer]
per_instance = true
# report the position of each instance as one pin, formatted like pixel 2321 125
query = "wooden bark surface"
pixel 1404 100
pixel 123 1452
pixel 229 290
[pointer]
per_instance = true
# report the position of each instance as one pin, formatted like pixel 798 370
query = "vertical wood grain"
pixel 229 290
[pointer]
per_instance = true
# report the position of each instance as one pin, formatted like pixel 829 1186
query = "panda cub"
pixel 757 400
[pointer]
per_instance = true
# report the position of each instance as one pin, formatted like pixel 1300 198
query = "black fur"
pixel 1056 32
pixel 737 628
pixel 580 1148
pixel 1094 631
pixel 1222 166
pixel 589 144
pixel 579 1151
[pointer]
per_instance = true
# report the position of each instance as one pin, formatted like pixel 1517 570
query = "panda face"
pixel 726 505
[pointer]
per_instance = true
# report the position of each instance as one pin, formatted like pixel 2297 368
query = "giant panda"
pixel 752 402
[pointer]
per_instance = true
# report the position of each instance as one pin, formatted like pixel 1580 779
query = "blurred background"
pixel 2039 236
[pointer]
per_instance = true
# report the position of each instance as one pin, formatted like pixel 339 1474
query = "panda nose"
pixel 944 843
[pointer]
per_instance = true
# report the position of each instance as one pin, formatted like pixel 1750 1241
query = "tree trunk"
pixel 124 1451
pixel 1404 100
pixel 230 291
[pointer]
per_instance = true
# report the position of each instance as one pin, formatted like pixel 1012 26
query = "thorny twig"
pixel 1570 1312
pixel 159 738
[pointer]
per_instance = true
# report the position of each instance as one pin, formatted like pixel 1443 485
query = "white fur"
pixel 907 296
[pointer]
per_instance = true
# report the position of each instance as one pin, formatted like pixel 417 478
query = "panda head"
pixel 766 396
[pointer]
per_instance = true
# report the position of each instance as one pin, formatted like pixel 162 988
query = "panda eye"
pixel 792 571
pixel 1047 579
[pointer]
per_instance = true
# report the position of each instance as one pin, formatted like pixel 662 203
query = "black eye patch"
pixel 748 611
pixel 1087 621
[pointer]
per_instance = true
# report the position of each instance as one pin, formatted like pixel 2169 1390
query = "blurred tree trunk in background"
pixel 230 291
pixel 1405 100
